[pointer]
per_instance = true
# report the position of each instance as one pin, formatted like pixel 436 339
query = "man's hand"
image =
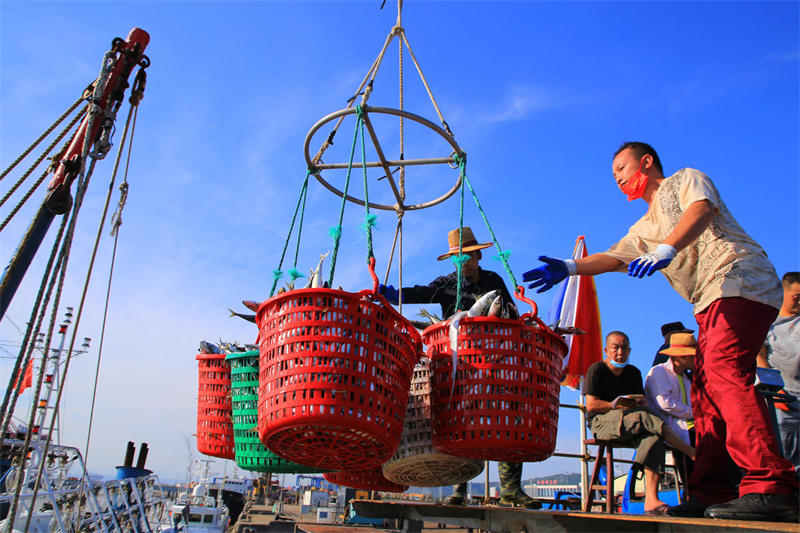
pixel 390 293
pixel 553 272
pixel 652 261
pixel 627 403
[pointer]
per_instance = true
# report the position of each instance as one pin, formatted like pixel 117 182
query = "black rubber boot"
pixel 511 488
pixel 458 496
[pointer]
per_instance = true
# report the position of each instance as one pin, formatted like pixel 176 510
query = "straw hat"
pixel 468 243
pixel 681 344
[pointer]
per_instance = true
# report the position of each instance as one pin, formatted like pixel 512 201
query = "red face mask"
pixel 636 185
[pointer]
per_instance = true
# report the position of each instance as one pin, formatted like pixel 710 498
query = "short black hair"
pixel 789 278
pixel 618 334
pixel 641 149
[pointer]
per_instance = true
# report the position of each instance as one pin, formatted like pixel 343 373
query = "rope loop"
pixel 116 218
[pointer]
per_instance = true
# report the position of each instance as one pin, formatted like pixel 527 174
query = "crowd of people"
pixel 699 397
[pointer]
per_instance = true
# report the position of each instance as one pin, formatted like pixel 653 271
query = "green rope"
pixel 461 258
pixel 336 231
pixel 294 273
pixel 278 273
pixel 501 255
pixel 369 220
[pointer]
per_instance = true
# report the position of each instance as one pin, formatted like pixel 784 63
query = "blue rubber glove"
pixel 553 272
pixel 652 261
pixel 390 293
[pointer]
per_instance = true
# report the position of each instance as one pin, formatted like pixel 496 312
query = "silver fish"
pixel 316 281
pixel 453 333
pixel 480 307
pixel 496 307
pixel 310 279
pixel 207 347
pixel 430 316
pixel 249 318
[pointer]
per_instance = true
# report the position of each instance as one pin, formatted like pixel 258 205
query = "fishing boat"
pixel 53 493
pixel 198 511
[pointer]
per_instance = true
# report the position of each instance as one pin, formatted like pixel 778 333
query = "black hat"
pixel 672 327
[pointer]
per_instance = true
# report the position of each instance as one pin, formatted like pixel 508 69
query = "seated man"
pixel 627 420
pixel 668 390
pixel 666 331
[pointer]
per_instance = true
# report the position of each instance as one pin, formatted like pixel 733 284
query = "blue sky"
pixel 539 94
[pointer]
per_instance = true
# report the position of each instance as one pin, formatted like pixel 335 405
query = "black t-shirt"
pixel 601 383
pixel 442 291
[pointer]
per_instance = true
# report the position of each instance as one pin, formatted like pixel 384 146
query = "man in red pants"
pixel 691 237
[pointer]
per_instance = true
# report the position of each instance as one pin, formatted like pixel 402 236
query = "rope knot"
pixel 502 256
pixel 277 274
pixel 397 30
pixel 294 274
pixel 369 222
pixel 459 260
pixel 460 159
pixel 336 232
pixel 360 111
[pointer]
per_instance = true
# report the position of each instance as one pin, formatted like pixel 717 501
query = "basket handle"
pixel 373 275
pixel 527 317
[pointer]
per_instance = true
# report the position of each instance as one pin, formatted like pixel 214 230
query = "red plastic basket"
pixel 335 372
pixel 367 479
pixel 214 423
pixel 504 405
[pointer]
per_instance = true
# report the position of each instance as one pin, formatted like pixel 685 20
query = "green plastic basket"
pixel 251 454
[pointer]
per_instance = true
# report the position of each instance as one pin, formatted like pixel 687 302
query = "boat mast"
pixel 52 382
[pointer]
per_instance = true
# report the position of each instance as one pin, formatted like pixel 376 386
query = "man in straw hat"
pixel 666 331
pixel 443 291
pixel 668 390
pixel 690 236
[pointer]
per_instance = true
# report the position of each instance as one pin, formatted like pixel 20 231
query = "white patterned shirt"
pixel 724 262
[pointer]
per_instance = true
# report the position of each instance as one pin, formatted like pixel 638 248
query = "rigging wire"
pixel 116 222
pixel 43 135
pixel 56 159
pixel 37 316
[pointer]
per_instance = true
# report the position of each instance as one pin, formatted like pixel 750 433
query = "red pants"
pixel 728 411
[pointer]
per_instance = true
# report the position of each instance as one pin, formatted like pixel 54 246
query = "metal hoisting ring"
pixel 317 168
